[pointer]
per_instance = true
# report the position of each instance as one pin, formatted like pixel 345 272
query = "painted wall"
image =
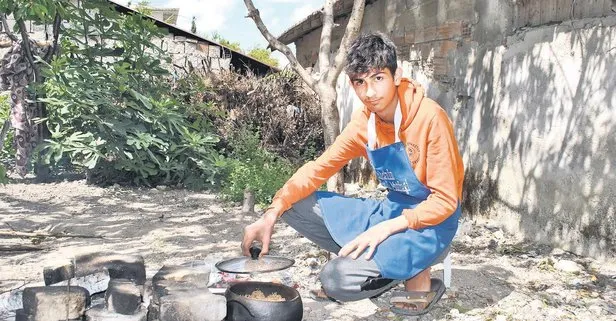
pixel 530 88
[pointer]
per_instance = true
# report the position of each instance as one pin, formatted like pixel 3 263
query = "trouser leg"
pixel 343 279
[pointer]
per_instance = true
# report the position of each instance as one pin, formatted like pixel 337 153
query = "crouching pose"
pixel 409 140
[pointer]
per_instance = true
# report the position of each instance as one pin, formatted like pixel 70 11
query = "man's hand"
pixel 261 230
pixel 373 237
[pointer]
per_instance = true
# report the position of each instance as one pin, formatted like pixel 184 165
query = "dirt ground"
pixel 495 276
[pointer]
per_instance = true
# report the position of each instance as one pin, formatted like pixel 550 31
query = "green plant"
pixel 110 108
pixel 263 55
pixel 7 150
pixel 249 166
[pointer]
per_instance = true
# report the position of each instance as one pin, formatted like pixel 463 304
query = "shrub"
pixel 110 108
pixel 249 166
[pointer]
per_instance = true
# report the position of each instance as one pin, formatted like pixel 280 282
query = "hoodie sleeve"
pixel 444 172
pixel 312 175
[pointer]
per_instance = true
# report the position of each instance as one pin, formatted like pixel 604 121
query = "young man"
pixel 410 143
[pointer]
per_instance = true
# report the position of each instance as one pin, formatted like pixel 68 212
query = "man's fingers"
pixel 347 249
pixel 265 249
pixel 370 252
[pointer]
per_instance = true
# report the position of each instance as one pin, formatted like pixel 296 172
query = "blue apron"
pixel 405 254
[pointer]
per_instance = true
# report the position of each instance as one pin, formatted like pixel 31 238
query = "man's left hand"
pixel 372 238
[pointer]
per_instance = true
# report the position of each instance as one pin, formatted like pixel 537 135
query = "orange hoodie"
pixel 430 143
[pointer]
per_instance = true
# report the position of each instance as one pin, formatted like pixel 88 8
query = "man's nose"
pixel 370 91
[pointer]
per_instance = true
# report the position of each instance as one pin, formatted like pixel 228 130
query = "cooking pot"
pixel 242 307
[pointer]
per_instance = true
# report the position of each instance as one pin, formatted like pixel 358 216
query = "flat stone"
pixel 119 266
pixel 568 266
pixel 58 272
pixel 197 274
pixel 49 303
pixel 101 313
pixel 123 296
pixel 153 312
pixel 162 288
pixel 193 305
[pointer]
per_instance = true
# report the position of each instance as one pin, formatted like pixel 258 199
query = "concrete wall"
pixel 530 88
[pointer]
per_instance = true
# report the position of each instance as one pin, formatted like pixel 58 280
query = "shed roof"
pixel 238 59
pixel 315 21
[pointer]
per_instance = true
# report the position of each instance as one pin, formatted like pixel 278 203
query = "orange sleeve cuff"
pixel 412 219
pixel 279 205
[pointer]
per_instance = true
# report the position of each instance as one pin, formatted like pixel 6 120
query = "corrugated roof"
pixel 238 59
pixel 314 21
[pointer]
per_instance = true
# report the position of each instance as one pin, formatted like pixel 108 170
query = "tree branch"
pixel 56 34
pixel 352 29
pixel 26 44
pixel 5 25
pixel 326 37
pixel 253 13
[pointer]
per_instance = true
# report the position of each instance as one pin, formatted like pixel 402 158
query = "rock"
pixel 492 245
pixel 557 252
pixel 216 209
pixel 498 234
pixel 123 296
pixel 162 288
pixel 193 305
pixel 47 303
pixel 454 312
pixel 501 317
pixel 198 273
pixel 161 187
pixel 595 310
pixel 568 266
pixel 100 313
pixel 58 272
pixel 536 305
pixel 119 266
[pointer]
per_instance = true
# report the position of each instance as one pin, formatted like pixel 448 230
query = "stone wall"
pixel 529 86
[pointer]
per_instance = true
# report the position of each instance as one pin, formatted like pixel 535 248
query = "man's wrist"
pixel 270 216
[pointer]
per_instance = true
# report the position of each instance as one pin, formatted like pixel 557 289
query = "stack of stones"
pixel 176 293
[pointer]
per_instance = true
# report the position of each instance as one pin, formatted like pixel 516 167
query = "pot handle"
pixel 242 312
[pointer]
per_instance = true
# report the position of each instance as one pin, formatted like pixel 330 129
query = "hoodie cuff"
pixel 412 219
pixel 279 206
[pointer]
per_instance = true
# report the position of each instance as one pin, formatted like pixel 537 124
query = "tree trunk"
pixel 330 119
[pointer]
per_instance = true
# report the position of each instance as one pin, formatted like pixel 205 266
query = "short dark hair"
pixel 371 51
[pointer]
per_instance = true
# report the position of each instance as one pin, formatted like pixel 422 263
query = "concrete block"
pixel 100 313
pixel 193 305
pixel 20 315
pixel 119 266
pixel 123 296
pixel 52 303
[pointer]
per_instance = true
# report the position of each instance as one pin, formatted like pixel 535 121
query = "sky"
pixel 227 17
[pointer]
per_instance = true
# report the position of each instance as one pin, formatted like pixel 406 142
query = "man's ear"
pixel 398 76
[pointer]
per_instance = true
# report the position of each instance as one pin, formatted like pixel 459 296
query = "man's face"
pixel 376 88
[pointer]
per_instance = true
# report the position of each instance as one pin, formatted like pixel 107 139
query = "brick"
pixel 51 303
pixel 123 296
pixel 119 266
pixel 100 313
pixel 193 305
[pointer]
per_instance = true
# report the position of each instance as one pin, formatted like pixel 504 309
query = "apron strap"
pixel 372 127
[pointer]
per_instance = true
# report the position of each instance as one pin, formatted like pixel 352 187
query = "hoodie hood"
pixel 410 94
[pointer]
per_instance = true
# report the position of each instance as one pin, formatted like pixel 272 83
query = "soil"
pixel 496 276
pixel 259 295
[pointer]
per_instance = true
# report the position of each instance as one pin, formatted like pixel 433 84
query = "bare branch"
pixel 26 44
pixel 253 13
pixel 326 37
pixel 5 26
pixel 56 34
pixel 352 29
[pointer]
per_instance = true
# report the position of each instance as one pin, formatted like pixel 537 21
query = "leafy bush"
pixel 279 106
pixel 110 108
pixel 249 166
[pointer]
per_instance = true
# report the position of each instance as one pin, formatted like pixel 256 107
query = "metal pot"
pixel 241 307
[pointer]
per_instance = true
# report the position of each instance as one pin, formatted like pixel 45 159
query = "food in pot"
pixel 259 295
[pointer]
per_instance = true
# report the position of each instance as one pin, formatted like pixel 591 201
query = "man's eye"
pixel 359 82
pixel 379 78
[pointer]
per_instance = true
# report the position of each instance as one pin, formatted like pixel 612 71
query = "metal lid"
pixel 255 264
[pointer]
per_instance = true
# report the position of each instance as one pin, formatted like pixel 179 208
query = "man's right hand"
pixel 261 230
